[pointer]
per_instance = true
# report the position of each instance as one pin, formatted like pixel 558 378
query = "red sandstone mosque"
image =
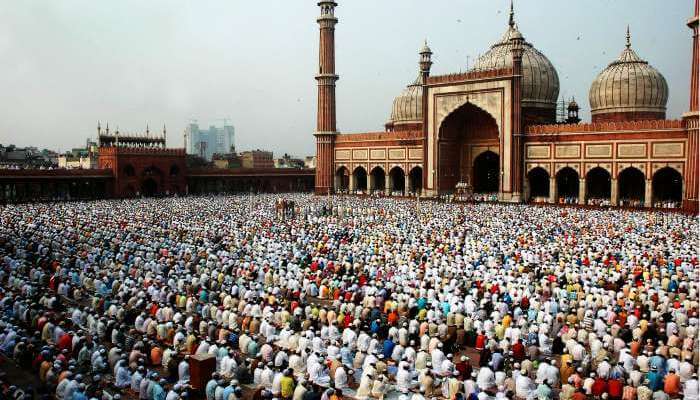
pixel 493 131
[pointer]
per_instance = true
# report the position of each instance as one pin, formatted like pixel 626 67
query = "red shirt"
pixel 615 388
pixel 480 342
pixel 578 396
pixel 65 343
pixel 600 386
pixel 519 351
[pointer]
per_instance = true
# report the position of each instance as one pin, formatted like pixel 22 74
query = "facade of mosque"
pixel 493 129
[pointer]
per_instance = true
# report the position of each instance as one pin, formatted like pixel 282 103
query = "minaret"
pixel 691 118
pixel 516 171
pixel 425 61
pixel 425 64
pixel 572 112
pixel 325 123
pixel 693 24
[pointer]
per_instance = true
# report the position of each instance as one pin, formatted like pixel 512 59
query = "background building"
pixel 206 143
pixel 80 158
pixel 26 157
pixel 310 162
pixel 288 161
pixel 256 159
pixel 230 160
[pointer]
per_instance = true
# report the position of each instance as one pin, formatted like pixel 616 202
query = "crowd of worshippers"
pixel 357 298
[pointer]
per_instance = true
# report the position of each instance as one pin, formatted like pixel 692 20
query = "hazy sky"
pixel 65 64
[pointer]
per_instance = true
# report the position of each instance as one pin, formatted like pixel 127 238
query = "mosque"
pixel 494 131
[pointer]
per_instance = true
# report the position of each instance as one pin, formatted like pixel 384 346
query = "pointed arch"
pixel 631 187
pixel 667 187
pixel 598 185
pixel 416 179
pixel 538 181
pixel 377 179
pixel 568 184
pixel 359 175
pixel 397 177
pixel 342 179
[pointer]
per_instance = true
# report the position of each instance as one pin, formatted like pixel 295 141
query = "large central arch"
pixel 464 136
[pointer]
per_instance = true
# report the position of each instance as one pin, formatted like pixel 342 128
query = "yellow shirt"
pixel 287 386
pixel 506 321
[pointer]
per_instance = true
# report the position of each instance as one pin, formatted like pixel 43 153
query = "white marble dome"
pixel 408 106
pixel 628 85
pixel 540 81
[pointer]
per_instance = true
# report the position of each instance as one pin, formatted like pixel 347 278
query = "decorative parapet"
pixel 394 135
pixel 605 127
pixel 471 75
pixel 155 151
pixel 193 172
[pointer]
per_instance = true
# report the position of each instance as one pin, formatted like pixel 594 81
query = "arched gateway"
pixel 465 145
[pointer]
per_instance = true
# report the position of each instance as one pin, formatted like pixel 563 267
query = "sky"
pixel 67 64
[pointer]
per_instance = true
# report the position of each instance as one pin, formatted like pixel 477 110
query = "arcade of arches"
pixel 466 150
pixel 393 183
pixel 630 188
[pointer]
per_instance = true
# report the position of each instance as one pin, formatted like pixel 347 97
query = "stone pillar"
pixel 553 190
pixel 388 184
pixel 370 183
pixel 351 184
pixel 326 116
pixel 648 194
pixel 582 191
pixel 613 191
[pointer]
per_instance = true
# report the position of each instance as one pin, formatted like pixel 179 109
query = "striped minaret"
pixel 692 180
pixel 326 78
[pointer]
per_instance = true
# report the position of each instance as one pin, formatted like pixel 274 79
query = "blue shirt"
pixel 388 348
pixel 227 391
pixel 210 389
pixel 158 392
pixel 658 362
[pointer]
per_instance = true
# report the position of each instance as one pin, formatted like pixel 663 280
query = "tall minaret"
pixel 691 198
pixel 326 78
pixel 693 25
pixel 516 167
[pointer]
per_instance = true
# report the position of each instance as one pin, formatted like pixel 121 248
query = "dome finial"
pixel 629 43
pixel 511 19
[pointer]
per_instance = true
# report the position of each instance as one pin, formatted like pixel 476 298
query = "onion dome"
pixel 408 106
pixel 540 81
pixel 629 88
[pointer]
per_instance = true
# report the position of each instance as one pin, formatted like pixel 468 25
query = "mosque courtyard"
pixel 347 297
